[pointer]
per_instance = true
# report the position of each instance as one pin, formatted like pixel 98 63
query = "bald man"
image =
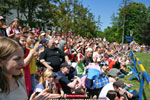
pixel 52 57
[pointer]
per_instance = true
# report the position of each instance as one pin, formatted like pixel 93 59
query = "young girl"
pixel 47 80
pixel 27 59
pixel 12 86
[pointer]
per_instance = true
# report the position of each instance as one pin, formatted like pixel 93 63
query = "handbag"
pixel 101 82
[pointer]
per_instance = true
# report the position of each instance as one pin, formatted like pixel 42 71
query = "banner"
pixel 129 38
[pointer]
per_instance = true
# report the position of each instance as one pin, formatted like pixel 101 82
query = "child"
pixel 33 69
pixel 21 39
pixel 47 80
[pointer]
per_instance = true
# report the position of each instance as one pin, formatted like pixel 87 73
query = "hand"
pixel 36 46
pixel 35 54
pixel 130 95
pixel 41 50
pixel 11 35
pixel 41 96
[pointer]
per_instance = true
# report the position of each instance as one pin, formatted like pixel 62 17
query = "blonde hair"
pixel 7 47
pixel 46 73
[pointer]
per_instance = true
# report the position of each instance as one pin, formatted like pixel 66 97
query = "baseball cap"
pixel 65 65
pixel 2 18
pixel 43 41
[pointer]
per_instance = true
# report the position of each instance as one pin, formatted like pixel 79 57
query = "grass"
pixel 145 60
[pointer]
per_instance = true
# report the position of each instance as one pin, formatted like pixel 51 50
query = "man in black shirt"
pixel 2 30
pixel 52 57
pixel 65 82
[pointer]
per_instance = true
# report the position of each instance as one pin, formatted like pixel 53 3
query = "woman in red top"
pixel 13 29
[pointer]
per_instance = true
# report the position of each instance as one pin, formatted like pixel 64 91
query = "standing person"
pixel 52 57
pixel 33 68
pixel 80 64
pixel 12 86
pixel 13 29
pixel 27 59
pixel 2 30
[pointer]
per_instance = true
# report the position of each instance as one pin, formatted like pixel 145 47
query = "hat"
pixel 43 33
pixel 65 65
pixel 2 18
pixel 89 49
pixel 43 41
pixel 48 30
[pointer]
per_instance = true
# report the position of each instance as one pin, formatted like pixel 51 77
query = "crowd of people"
pixel 38 65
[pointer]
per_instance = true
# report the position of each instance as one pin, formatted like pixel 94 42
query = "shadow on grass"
pixel 144 95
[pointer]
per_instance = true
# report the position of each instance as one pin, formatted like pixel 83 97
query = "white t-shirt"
pixel 105 89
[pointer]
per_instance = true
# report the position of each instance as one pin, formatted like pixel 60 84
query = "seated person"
pixel 112 95
pixel 66 83
pixel 114 72
pixel 118 87
pixel 47 81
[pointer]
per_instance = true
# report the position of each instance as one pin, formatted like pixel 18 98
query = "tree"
pixel 125 2
pixel 144 29
pixel 6 6
pixel 135 16
pixel 58 15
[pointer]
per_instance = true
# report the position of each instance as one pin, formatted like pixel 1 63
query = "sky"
pixel 105 9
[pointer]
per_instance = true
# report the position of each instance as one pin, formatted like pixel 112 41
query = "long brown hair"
pixel 7 47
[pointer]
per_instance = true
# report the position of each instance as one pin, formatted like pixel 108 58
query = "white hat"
pixel 43 33
pixel 2 18
pixel 56 41
pixel 89 49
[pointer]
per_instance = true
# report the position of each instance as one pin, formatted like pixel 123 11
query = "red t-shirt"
pixel 111 65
